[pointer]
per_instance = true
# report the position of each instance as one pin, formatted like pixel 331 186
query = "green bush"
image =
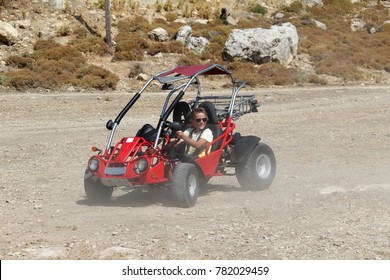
pixel 258 9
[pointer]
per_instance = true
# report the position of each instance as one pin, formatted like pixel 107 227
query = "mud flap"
pixel 243 148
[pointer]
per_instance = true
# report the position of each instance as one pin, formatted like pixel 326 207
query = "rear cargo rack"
pixel 244 104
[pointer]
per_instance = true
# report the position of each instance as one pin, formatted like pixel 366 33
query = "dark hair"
pixel 197 111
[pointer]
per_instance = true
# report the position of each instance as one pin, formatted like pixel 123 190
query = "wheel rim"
pixel 263 166
pixel 192 185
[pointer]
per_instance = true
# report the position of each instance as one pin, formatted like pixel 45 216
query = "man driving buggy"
pixel 197 137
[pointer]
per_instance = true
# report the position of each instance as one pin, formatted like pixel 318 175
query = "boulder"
pixel 158 34
pixel 183 34
pixel 258 45
pixel 320 24
pixel 8 34
pixel 197 44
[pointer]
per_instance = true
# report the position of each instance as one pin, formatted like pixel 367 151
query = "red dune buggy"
pixel 148 158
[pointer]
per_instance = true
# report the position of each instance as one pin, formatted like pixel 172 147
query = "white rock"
pixel 258 45
pixel 142 77
pixel 158 34
pixel 183 34
pixel 8 34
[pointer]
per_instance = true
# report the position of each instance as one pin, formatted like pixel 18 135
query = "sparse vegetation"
pixel 135 69
pixel 336 51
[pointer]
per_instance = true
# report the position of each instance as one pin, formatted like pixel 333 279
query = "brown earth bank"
pixel 329 200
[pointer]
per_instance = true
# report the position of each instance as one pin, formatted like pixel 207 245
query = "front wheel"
pixel 96 192
pixel 185 184
pixel 258 172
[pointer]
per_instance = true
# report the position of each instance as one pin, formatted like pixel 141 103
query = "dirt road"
pixel 330 198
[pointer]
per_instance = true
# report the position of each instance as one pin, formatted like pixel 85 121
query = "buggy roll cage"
pixel 167 78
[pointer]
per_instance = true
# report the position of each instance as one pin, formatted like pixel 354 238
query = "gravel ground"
pixel 330 198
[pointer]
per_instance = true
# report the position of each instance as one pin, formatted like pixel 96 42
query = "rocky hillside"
pixel 49 47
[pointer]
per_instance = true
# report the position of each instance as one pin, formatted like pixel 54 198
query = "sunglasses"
pixel 202 119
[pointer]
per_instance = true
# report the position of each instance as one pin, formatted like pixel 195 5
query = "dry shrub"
pixel 131 55
pixel 203 8
pixel 97 77
pixel 176 47
pixel 92 45
pixel 189 59
pixel 45 44
pixel 19 62
pixel 277 74
pixel 135 70
pixel 338 7
pixel 315 79
pixel 160 21
pixel 137 24
pixel 65 53
pixel 80 33
pixel 63 30
pixel 23 78
pixel 157 47
pixel 264 75
pixel 245 72
pixel 295 7
pixel 245 23
pixel 212 51
pixel 171 17
pixel 130 47
pixel 217 34
pixel 52 66
pixel 346 70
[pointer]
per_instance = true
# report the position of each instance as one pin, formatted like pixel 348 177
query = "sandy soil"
pixel 330 198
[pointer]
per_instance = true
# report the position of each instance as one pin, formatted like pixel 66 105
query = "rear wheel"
pixel 258 172
pixel 186 184
pixel 95 190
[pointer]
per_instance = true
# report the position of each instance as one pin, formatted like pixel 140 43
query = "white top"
pixel 205 134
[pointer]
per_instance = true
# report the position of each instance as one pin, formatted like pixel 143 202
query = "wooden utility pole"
pixel 108 21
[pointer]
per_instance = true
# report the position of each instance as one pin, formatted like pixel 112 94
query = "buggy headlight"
pixel 141 165
pixel 94 164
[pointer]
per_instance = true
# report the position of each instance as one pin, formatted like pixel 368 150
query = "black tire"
pixel 96 192
pixel 258 172
pixel 185 184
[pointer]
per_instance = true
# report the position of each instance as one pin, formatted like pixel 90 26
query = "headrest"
pixel 211 112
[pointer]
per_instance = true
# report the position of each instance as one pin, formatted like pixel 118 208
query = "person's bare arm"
pixel 200 144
